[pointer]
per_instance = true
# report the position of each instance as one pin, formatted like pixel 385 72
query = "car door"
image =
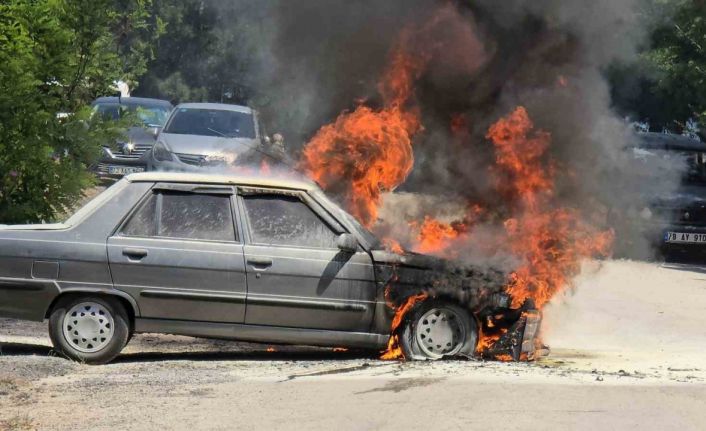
pixel 179 255
pixel 297 276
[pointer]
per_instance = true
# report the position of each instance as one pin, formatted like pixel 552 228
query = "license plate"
pixel 685 238
pixel 124 170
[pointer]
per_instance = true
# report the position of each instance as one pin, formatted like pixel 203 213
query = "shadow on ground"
pixel 261 354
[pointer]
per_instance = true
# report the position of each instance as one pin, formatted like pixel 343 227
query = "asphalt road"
pixel 627 353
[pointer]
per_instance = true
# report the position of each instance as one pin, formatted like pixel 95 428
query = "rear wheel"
pixel 436 329
pixel 89 329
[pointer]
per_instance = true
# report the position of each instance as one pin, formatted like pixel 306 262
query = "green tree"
pixel 678 57
pixel 207 51
pixel 667 85
pixel 56 56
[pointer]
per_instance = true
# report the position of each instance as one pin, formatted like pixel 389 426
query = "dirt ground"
pixel 627 351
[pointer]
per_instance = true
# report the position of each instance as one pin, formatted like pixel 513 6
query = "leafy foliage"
pixel 57 56
pixel 207 51
pixel 667 86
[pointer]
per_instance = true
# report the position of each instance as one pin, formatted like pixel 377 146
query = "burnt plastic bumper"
pixel 521 340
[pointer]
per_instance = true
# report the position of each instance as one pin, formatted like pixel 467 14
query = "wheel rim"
pixel 440 332
pixel 88 327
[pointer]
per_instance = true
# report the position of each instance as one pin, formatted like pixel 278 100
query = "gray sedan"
pixel 253 259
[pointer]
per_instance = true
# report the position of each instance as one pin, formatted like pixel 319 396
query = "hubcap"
pixel 88 327
pixel 440 332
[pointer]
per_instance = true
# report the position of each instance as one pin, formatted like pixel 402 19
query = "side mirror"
pixel 347 242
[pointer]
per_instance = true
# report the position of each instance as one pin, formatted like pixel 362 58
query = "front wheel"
pixel 436 329
pixel 89 329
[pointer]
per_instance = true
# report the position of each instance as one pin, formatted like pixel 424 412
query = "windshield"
pixel 148 115
pixel 212 122
pixel 368 236
pixel 691 163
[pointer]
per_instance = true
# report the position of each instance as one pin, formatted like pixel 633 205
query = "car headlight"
pixel 161 152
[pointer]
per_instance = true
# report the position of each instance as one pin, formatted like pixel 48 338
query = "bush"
pixel 56 56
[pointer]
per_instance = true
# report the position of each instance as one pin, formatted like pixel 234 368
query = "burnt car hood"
pixel 410 260
pixel 409 273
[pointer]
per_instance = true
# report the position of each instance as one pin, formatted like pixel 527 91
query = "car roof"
pixel 664 141
pixel 288 181
pixel 132 101
pixel 216 106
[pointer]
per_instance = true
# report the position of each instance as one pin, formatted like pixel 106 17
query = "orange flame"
pixel 435 236
pixel 552 240
pixel 369 151
pixel 392 246
pixel 394 350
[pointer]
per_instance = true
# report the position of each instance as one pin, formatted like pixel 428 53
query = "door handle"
pixel 134 253
pixel 260 263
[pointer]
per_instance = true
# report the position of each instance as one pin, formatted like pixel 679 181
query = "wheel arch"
pixel 457 301
pixel 126 300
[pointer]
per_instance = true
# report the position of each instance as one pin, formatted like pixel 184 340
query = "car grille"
pixel 102 168
pixel 135 154
pixel 191 159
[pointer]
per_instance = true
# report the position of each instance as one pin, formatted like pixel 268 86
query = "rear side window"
pixel 143 222
pixel 183 215
pixel 196 216
pixel 286 220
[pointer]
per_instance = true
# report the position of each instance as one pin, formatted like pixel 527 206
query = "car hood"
pixel 207 145
pixel 408 273
pixel 410 259
pixel 140 136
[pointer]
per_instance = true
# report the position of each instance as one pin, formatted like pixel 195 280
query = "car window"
pixel 183 216
pixel 285 220
pixel 212 122
pixel 149 115
pixel 196 216
pixel 143 222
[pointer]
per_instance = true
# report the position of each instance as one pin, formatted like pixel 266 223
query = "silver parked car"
pixel 207 135
pixel 253 259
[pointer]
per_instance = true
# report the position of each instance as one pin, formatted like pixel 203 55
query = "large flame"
pixel 369 151
pixel 549 239
pixel 552 240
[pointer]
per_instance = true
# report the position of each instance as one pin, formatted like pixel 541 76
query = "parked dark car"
pixel 254 259
pixel 671 171
pixel 129 155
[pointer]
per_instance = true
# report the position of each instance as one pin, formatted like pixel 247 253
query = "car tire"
pixel 88 328
pixel 436 329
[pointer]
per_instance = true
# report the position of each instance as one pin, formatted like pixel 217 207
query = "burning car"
pixel 245 258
